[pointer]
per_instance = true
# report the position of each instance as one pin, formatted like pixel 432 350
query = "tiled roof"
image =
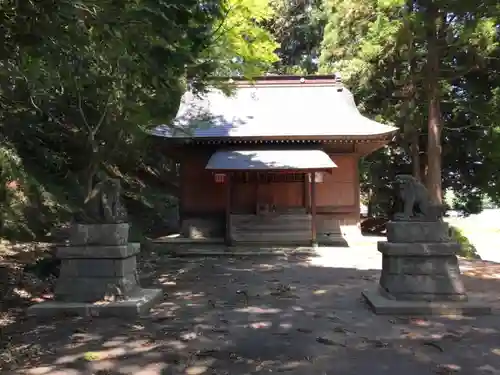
pixel 308 109
pixel 270 159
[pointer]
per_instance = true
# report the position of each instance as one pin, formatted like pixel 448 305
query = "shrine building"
pixel 275 162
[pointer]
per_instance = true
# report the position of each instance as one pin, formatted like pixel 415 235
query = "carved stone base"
pixel 419 263
pixel 417 231
pixel 425 277
pixel 420 272
pixel 98 271
pixel 139 303
pixel 94 273
pixel 99 234
pixel 382 305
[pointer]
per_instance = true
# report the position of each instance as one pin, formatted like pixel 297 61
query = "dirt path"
pixel 259 315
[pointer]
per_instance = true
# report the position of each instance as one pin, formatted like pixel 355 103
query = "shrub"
pixel 467 249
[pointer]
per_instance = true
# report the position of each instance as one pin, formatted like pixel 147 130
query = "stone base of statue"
pixel 420 273
pixel 98 275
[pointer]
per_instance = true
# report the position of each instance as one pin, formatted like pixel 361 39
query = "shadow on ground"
pixel 260 315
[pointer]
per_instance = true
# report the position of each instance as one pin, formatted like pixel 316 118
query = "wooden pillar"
pixel 257 193
pixel 307 193
pixel 312 177
pixel 228 209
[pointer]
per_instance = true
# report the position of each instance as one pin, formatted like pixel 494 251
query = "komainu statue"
pixel 412 201
pixel 104 205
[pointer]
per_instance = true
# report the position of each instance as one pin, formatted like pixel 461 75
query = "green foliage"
pixel 101 69
pixel 27 209
pixel 467 249
pixel 470 204
pixel 382 48
pixel 376 174
pixel 241 45
pixel 80 81
pixel 298 28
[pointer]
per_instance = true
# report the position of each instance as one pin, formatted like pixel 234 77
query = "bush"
pixel 467 249
pixel 29 207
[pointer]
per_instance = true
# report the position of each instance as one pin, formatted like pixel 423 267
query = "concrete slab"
pixel 381 305
pixel 138 304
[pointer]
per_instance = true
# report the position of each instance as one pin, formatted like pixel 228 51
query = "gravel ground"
pixel 299 316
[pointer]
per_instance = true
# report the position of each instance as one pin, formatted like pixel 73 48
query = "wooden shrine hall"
pixel 275 162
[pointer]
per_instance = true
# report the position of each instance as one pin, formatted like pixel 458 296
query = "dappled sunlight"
pixel 261 315
pixel 197 369
pixel 188 295
pixel 362 257
pixel 42 370
pixel 258 310
pixel 481 269
pixel 260 325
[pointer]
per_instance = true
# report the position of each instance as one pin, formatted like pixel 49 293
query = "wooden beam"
pixel 312 176
pixel 228 209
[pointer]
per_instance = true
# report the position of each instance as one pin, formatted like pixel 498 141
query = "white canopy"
pixel 261 160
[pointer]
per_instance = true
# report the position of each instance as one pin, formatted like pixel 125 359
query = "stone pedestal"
pixel 420 272
pixel 98 275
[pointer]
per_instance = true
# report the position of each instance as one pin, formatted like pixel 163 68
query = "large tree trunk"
pixel 415 155
pixel 423 165
pixel 433 178
pixel 412 127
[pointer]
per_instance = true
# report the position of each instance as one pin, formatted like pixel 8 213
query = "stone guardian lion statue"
pixel 104 205
pixel 412 201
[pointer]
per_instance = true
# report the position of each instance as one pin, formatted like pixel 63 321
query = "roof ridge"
pixel 279 80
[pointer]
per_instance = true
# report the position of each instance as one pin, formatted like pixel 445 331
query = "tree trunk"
pixel 413 130
pixel 415 155
pixel 423 167
pixel 370 203
pixel 92 167
pixel 433 179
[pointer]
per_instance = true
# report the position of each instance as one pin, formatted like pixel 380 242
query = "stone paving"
pixel 259 315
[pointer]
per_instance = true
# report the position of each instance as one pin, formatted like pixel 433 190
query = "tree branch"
pixel 80 108
pixel 221 24
pixel 460 74
pixel 465 127
pixel 103 115
pixel 32 101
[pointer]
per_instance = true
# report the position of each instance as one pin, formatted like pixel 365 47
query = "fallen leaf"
pixel 304 330
pixel 325 341
pixel 92 356
pixel 378 343
pixel 339 329
pixel 220 330
pixel 434 345
pixel 447 369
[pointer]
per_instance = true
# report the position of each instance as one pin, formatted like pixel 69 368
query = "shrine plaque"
pixel 220 178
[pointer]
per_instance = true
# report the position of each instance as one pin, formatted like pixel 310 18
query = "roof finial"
pixel 338 82
pixel 338 78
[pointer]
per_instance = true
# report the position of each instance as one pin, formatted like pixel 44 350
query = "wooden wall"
pixel 199 192
pixel 338 188
pixel 337 197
